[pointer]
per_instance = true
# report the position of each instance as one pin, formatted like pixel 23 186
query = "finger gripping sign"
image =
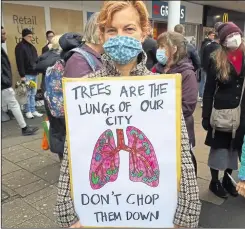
pixel 124 139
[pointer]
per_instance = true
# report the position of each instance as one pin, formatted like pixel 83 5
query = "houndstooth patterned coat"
pixel 189 206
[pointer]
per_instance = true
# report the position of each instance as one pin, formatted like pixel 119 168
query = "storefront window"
pixel 191 33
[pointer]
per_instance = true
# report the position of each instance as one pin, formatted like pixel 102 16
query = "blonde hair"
pixel 111 7
pixel 54 44
pixel 91 33
pixel 172 39
pixel 222 64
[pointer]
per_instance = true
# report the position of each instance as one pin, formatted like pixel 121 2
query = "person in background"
pixel 131 32
pixel 173 58
pixel 77 65
pixel 150 48
pixel 26 57
pixel 191 50
pixel 208 50
pixel 210 46
pixel 57 130
pixel 241 175
pixel 8 95
pixel 223 90
pixel 209 38
pixel 193 42
pixel 48 58
pixel 49 36
pixel 206 41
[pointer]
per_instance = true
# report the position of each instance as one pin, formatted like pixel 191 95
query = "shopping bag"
pixel 45 140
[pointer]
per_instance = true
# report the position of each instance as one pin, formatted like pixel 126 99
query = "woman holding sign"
pixel 125 57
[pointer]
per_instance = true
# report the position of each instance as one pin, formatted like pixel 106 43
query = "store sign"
pixel 212 15
pixel 160 11
pixel 225 17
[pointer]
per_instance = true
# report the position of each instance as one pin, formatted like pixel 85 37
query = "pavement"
pixel 30 176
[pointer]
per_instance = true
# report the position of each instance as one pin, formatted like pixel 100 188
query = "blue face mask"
pixel 161 56
pixel 122 49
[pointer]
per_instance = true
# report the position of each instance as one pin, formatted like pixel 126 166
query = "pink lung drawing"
pixel 143 162
pixel 105 161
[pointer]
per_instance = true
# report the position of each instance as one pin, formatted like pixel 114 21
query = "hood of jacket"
pixel 181 66
pixel 46 60
pixel 69 41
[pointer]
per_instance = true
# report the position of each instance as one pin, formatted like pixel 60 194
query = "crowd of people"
pixel 111 46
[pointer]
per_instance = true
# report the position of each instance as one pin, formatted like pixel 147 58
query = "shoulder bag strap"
pixel 243 87
pixel 87 56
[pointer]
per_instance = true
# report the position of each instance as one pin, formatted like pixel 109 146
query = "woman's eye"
pixel 130 29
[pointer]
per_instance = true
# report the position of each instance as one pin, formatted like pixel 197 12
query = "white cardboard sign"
pixel 124 149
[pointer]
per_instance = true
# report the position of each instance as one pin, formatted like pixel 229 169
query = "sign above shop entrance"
pixel 160 11
pixel 225 17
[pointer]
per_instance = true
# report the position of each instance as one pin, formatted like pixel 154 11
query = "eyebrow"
pixel 112 27
pixel 129 25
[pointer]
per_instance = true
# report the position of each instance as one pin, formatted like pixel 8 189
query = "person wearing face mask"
pixel 124 56
pixel 173 58
pixel 224 91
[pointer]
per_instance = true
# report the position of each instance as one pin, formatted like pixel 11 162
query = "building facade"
pixel 64 16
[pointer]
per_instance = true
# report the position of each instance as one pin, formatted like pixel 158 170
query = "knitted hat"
pixel 226 29
pixel 26 32
pixel 217 24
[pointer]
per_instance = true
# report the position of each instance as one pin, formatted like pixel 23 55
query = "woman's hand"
pixel 76 225
pixel 241 188
pixel 206 124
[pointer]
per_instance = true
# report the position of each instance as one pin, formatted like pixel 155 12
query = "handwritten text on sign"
pixel 122 145
pixel 94 90
pixel 116 199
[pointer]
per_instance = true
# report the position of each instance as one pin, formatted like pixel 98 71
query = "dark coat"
pixel 45 48
pixel 189 92
pixel 57 132
pixel 150 48
pixel 193 56
pixel 207 51
pixel 46 60
pixel 6 73
pixel 203 45
pixel 26 57
pixel 227 97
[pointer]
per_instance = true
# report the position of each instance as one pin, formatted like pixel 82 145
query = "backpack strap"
pixel 87 56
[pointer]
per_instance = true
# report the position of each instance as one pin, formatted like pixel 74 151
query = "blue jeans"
pixel 31 102
pixel 202 83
